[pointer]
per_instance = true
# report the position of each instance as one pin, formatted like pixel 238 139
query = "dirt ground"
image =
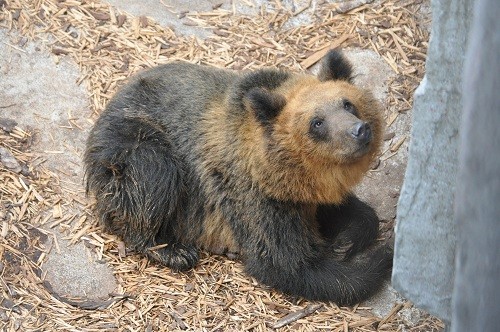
pixel 61 61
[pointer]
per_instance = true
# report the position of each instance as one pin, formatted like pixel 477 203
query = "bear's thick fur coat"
pixel 260 164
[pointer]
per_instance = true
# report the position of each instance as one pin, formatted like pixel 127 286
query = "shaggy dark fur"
pixel 191 157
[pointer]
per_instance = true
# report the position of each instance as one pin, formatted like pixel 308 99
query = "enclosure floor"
pixel 60 63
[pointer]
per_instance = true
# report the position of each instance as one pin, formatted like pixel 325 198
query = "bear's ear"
pixel 334 66
pixel 265 104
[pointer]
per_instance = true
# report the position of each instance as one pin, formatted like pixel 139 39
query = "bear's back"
pixel 175 97
pixel 173 90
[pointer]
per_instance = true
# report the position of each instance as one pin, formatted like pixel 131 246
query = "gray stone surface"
pixel 476 291
pixel 425 231
pixel 383 302
pixel 74 272
pixel 44 96
pixel 170 13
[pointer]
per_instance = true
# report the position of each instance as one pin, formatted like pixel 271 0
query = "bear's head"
pixel 319 134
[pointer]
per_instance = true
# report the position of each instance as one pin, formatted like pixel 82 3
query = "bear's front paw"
pixel 178 257
pixel 342 248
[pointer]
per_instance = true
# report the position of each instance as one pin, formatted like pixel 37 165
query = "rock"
pixel 8 160
pixel 7 124
pixel 425 235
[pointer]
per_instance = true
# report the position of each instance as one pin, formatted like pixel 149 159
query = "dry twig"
pixel 295 316
pixel 347 6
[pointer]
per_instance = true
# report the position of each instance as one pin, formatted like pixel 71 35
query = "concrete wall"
pixel 425 230
pixel 476 295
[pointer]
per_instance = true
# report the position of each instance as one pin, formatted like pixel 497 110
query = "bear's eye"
pixel 318 129
pixel 349 107
pixel 317 123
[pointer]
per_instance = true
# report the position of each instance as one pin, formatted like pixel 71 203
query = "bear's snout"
pixel 362 132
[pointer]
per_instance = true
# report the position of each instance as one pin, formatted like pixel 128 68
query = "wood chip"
pixel 294 316
pixel 100 16
pixel 395 147
pixel 392 118
pixel 315 57
pixel 120 20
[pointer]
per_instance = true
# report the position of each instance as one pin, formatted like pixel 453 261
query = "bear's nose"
pixel 362 132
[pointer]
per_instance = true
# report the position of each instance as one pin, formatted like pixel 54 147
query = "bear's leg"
pixel 351 227
pixel 137 182
pixel 280 250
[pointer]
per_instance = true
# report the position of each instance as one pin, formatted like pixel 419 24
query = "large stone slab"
pixel 476 291
pixel 425 230
pixel 44 95
pixel 39 93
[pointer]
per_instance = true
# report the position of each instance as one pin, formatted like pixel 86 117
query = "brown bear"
pixel 260 164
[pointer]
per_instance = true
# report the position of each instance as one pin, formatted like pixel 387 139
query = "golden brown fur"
pixel 313 173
